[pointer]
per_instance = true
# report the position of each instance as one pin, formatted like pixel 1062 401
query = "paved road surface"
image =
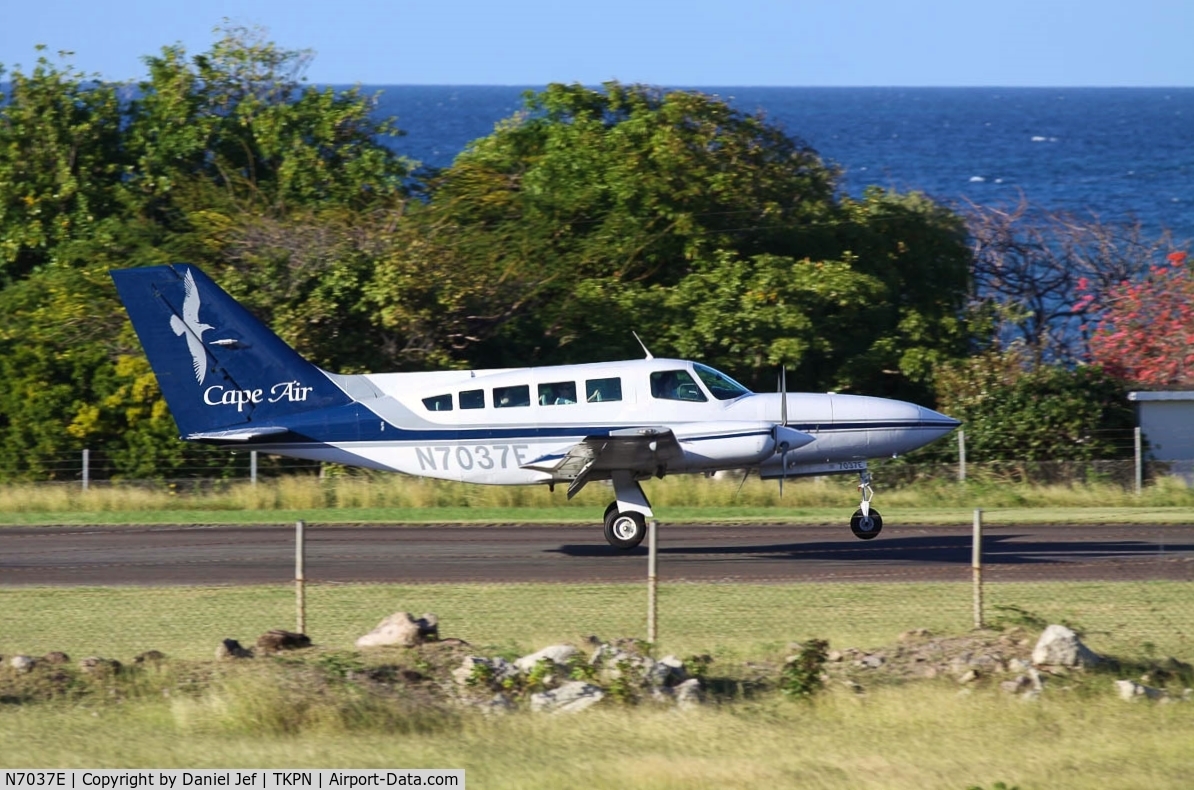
pixel 187 555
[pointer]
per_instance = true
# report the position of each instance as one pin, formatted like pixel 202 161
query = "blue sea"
pixel 1116 154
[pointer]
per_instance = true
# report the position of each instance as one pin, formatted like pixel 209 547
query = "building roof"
pixel 1167 395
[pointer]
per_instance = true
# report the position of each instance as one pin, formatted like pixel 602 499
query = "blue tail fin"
pixel 223 373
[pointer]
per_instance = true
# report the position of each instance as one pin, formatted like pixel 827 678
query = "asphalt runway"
pixel 201 555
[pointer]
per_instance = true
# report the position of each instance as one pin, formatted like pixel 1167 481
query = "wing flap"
pixel 646 450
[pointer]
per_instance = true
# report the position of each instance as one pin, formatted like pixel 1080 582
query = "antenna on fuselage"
pixel 646 350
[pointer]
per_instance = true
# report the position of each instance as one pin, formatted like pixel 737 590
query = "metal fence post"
pixel 86 469
pixel 300 582
pixel 976 563
pixel 961 456
pixel 253 467
pixel 652 582
pixel 1139 460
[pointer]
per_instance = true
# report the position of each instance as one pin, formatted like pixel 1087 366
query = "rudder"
pixel 219 367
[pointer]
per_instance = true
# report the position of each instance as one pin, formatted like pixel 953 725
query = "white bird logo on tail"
pixel 190 327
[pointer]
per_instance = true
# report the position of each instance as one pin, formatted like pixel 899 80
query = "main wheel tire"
pixel 625 530
pixel 613 508
pixel 866 527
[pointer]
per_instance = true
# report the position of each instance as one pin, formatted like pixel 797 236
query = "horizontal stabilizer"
pixel 236 434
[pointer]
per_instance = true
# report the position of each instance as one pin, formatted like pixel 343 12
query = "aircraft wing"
pixel 641 450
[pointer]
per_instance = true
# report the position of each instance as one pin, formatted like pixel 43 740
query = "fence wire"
pixel 1146 607
pixel 1134 617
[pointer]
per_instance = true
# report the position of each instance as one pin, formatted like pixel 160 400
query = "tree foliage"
pixel 709 231
pixel 61 163
pixel 1013 411
pixel 1146 330
pixel 223 159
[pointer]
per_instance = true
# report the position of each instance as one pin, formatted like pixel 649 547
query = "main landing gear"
pixel 626 517
pixel 866 522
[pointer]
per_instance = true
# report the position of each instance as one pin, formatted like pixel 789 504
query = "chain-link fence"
pixel 1132 463
pixel 1136 605
pixel 1130 618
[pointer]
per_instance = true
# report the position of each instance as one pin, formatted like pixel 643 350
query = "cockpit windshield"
pixel 719 384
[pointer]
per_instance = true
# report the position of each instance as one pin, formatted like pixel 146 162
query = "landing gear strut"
pixel 626 517
pixel 866 522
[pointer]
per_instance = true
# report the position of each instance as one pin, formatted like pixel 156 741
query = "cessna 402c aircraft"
pixel 230 381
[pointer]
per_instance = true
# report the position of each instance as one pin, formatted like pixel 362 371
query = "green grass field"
pixel 397 499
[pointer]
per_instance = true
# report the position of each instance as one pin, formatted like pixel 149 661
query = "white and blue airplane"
pixel 230 381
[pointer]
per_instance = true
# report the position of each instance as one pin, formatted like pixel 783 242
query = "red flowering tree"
pixel 1146 332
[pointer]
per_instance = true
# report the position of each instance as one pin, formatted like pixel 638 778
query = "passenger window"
pixel 472 399
pixel 559 393
pixel 602 390
pixel 438 403
pixel 506 397
pixel 675 385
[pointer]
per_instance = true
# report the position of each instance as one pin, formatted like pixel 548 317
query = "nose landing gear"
pixel 866 522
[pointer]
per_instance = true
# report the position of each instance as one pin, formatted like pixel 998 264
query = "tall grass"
pixel 401 493
pixel 922 737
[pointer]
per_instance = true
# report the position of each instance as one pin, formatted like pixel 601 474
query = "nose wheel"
pixel 866 522
pixel 866 525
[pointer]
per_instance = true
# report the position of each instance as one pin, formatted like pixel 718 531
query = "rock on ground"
pixel 22 663
pixel 230 648
pixel 557 654
pixel 277 640
pixel 1059 646
pixel 402 628
pixel 96 665
pixel 569 698
pixel 688 694
pixel 495 670
pixel 1131 690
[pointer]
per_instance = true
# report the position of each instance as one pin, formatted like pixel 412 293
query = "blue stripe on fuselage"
pixel 354 423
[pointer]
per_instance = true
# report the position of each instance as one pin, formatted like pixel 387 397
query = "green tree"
pixel 285 193
pixel 588 190
pixel 1013 412
pixel 60 163
pixel 64 391
pixel 239 117
pixel 709 231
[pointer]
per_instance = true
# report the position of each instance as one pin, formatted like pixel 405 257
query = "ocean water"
pixel 1118 154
